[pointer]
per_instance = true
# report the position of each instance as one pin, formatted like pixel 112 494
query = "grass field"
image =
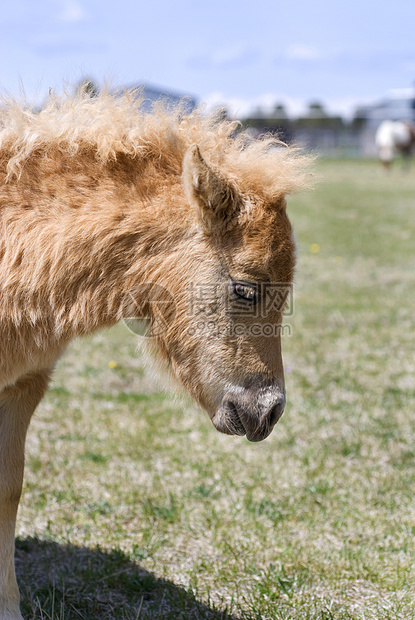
pixel 134 507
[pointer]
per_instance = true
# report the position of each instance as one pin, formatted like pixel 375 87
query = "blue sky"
pixel 248 53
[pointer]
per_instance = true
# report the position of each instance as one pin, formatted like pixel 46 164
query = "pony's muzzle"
pixel 251 412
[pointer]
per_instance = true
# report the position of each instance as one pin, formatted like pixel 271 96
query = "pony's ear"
pixel 216 200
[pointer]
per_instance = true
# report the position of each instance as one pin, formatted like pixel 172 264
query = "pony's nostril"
pixel 276 412
pixel 235 423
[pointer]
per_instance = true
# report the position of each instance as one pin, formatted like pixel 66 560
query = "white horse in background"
pixel 394 137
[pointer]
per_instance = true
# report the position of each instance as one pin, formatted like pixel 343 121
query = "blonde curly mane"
pixel 111 125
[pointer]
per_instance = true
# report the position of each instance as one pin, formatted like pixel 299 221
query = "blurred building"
pixel 399 105
pixel 151 94
pixel 316 130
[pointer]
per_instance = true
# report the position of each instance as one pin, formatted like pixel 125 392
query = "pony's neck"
pixel 91 234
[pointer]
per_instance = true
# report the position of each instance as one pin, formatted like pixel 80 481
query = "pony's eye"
pixel 249 292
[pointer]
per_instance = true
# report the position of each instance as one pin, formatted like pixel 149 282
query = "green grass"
pixel 135 507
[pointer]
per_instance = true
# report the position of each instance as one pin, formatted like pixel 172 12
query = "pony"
pixel 109 212
pixel 394 137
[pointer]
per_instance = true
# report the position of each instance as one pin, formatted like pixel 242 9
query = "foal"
pixel 107 212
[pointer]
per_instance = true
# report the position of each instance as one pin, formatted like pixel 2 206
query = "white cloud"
pixel 301 51
pixel 72 11
pixel 232 57
pixel 229 55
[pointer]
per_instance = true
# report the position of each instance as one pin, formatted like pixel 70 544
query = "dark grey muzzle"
pixel 250 411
